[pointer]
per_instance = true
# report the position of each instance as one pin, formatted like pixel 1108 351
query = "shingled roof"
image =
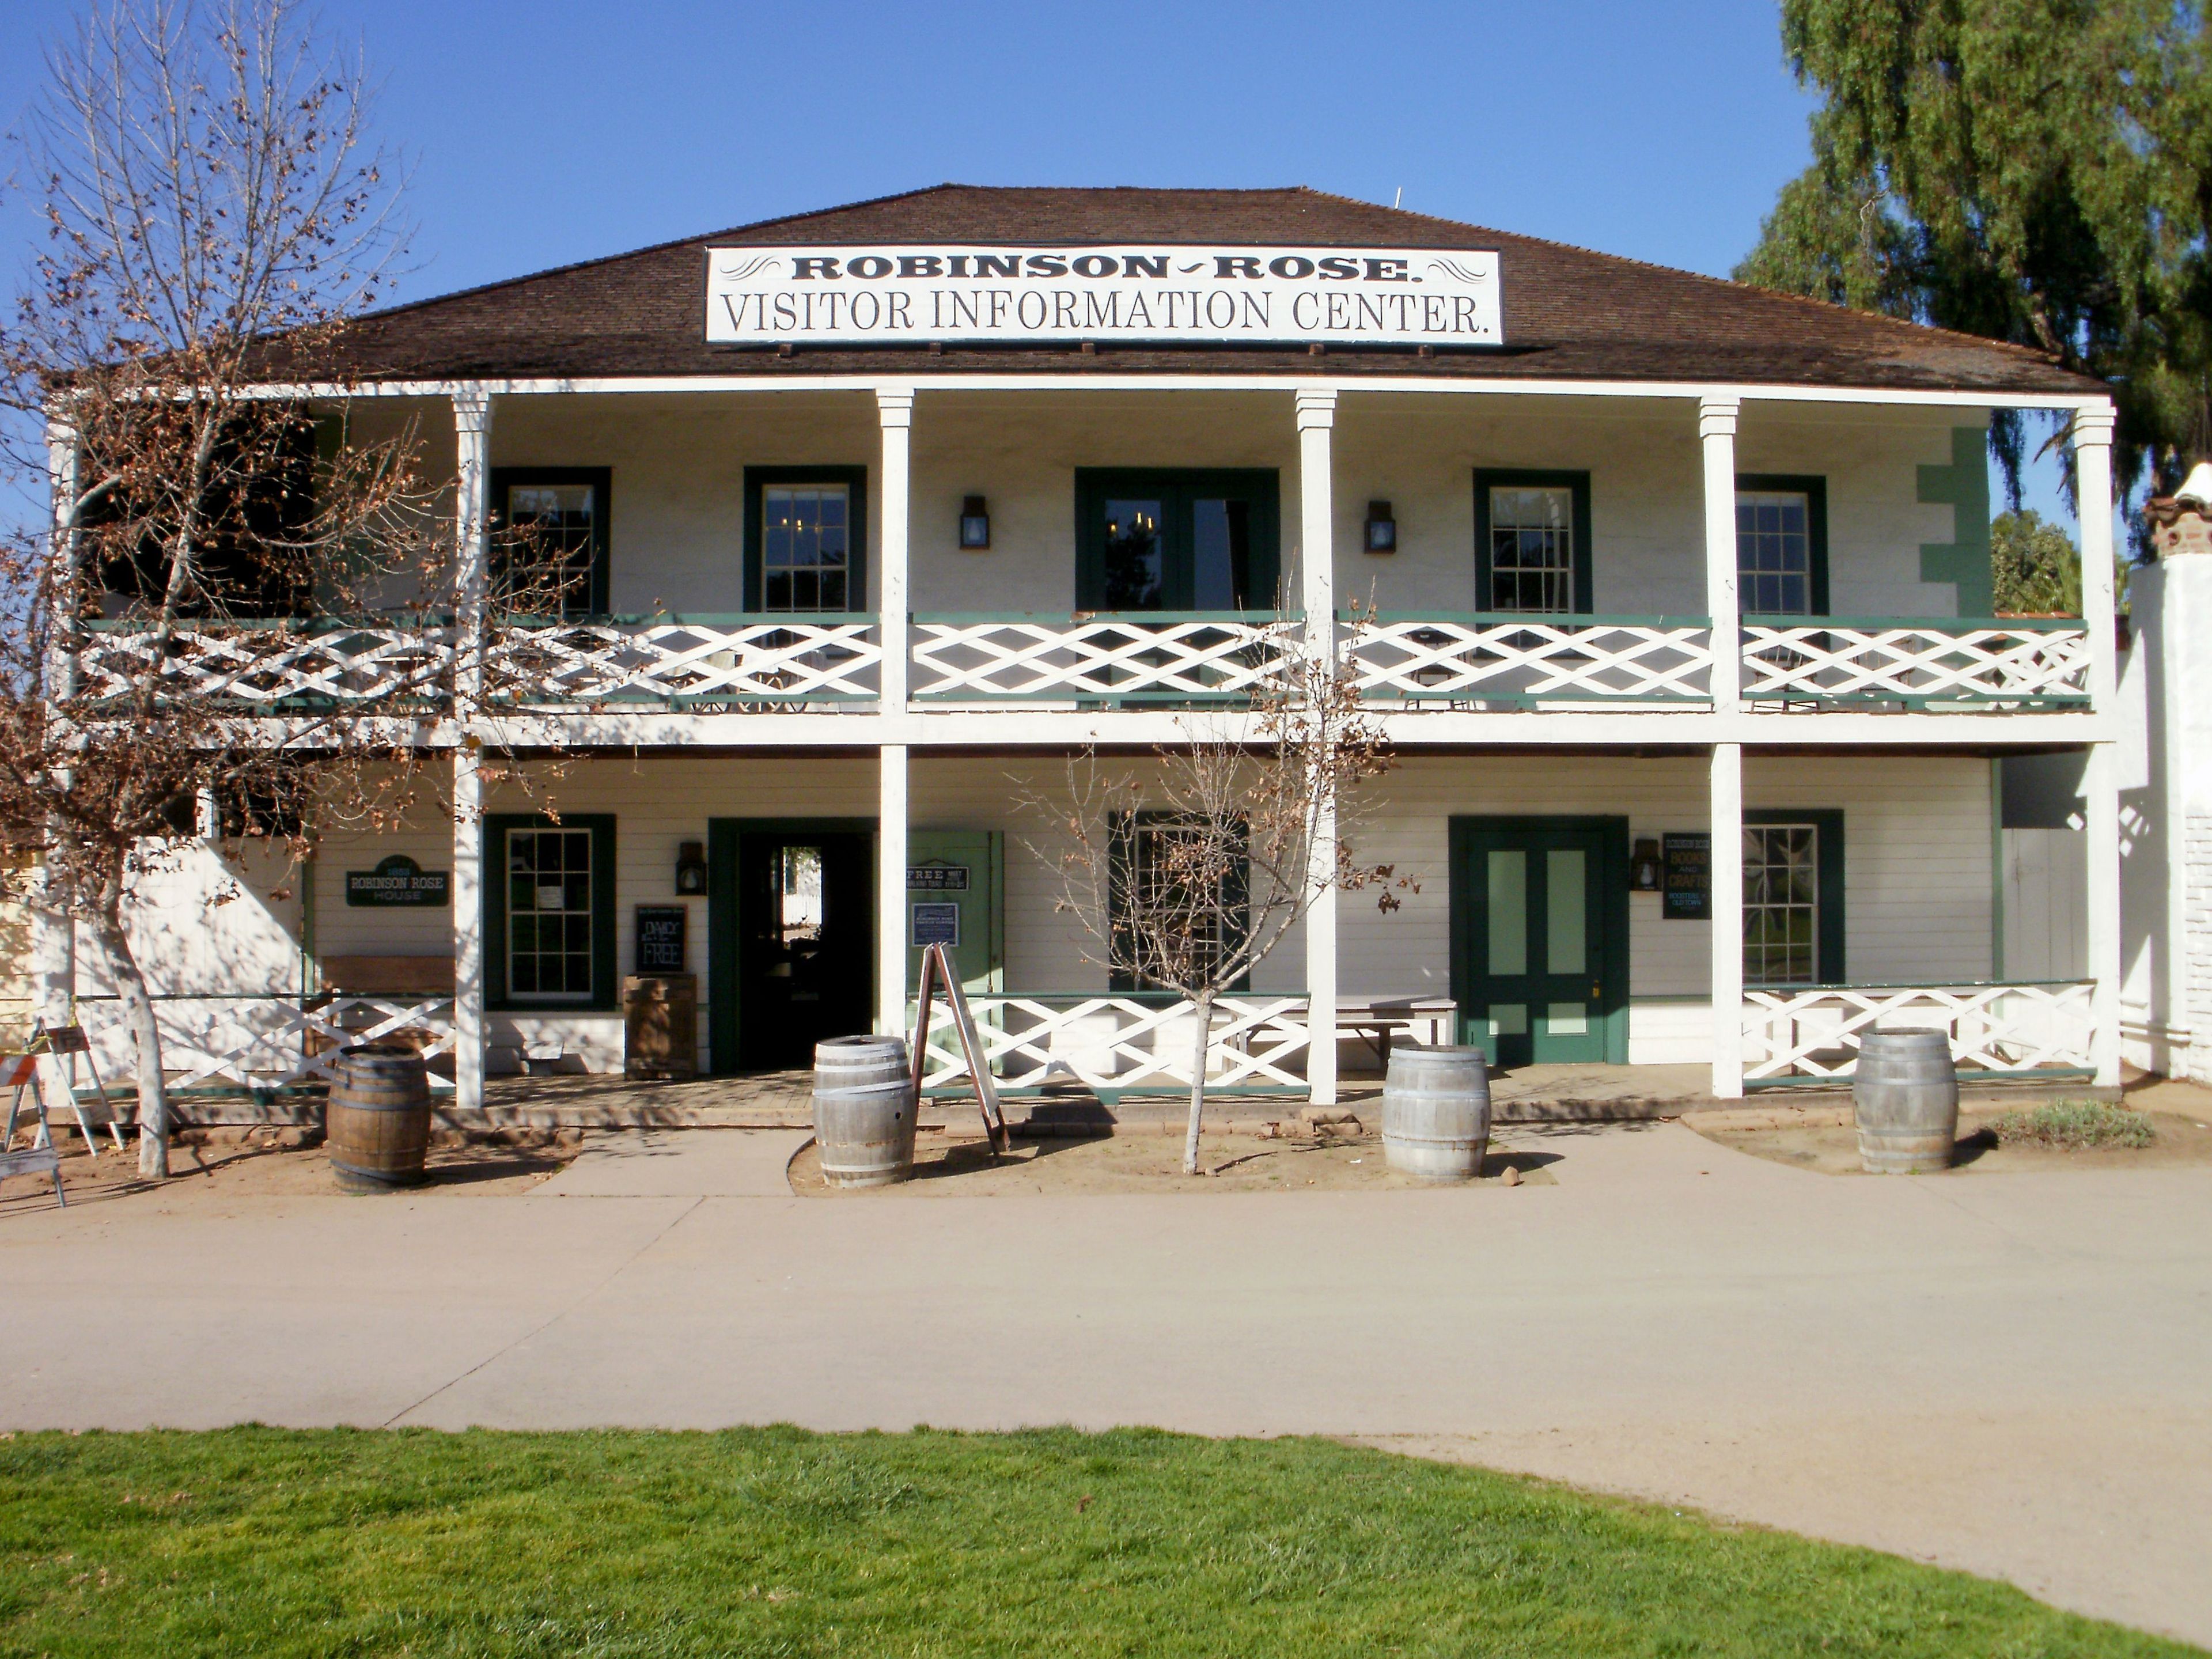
pixel 1570 313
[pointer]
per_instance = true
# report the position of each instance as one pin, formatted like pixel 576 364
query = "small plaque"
pixel 937 924
pixel 1686 871
pixel 938 878
pixel 398 883
pixel 660 939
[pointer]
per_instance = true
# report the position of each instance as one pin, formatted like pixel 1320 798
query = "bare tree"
pixel 1186 879
pixel 187 635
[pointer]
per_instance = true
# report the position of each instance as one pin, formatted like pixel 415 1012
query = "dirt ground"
pixel 286 1161
pixel 2180 1115
pixel 1150 1161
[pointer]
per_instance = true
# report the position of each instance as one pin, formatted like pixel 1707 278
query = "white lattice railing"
pixel 1517 660
pixel 2028 663
pixel 1804 1035
pixel 688 662
pixel 1118 1042
pixel 261 1044
pixel 275 665
pixel 1155 657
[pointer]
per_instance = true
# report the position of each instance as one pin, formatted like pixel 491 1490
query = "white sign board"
pixel 1164 293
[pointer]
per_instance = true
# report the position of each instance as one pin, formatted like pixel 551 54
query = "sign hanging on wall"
pixel 398 883
pixel 938 878
pixel 936 924
pixel 1686 871
pixel 660 939
pixel 1200 294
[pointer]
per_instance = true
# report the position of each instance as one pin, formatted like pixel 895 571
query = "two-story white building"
pixel 1673 595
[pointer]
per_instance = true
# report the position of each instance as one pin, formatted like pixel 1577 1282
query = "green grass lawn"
pixel 774 1542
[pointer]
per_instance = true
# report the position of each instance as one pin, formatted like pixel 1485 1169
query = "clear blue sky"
pixel 544 133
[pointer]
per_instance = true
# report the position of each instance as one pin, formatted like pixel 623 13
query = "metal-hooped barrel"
pixel 1905 1096
pixel 864 1110
pixel 377 1124
pixel 1436 1111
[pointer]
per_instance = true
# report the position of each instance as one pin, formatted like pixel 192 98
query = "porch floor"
pixel 783 1100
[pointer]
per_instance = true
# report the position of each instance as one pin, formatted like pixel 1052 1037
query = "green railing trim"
pixel 1931 984
pixel 1966 1075
pixel 1102 618
pixel 1914 699
pixel 395 622
pixel 1936 624
pixel 1525 619
pixel 697 619
pixel 1533 699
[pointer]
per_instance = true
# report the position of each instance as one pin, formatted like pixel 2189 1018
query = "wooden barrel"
pixel 378 1127
pixel 864 1110
pixel 1904 1094
pixel 1436 1111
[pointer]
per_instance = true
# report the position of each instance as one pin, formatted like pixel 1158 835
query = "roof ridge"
pixel 1920 329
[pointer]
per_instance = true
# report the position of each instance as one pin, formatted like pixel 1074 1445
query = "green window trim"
pixel 1488 478
pixel 601 479
pixel 855 480
pixel 606 993
pixel 1121 830
pixel 1177 487
pixel 1814 489
pixel 1831 960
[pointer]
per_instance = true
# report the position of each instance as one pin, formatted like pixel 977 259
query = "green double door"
pixel 1540 951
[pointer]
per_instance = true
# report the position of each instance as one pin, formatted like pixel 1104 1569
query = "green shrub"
pixel 2073 1125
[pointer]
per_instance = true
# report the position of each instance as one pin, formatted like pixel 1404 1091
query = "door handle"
pixel 1597 993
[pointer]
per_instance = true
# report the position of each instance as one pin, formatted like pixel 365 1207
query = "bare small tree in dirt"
pixel 1187 877
pixel 189 627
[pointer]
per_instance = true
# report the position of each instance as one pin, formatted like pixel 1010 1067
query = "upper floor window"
pixel 1532 542
pixel 805 539
pixel 552 559
pixel 1176 540
pixel 1781 545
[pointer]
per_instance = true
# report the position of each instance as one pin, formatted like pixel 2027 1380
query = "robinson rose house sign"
pixel 879 295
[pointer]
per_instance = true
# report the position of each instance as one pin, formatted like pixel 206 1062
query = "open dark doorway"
pixel 791 939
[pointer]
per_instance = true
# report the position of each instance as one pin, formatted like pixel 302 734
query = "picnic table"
pixel 1376 1020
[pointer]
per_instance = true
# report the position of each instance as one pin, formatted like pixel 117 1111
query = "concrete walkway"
pixel 2011 1374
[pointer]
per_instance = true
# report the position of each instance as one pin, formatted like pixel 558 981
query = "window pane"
pixel 1509 912
pixel 1135 569
pixel 805 548
pixel 1566 911
pixel 1532 551
pixel 550 925
pixel 1781 909
pixel 1774 553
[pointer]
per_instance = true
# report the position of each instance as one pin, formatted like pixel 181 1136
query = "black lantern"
pixel 1381 528
pixel 1643 868
pixel 975 522
pixel 691 867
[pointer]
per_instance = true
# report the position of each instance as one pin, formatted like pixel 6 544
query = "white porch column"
pixel 472 430
pixel 1717 421
pixel 53 938
pixel 1316 417
pixel 1728 921
pixel 2093 475
pixel 890 892
pixel 894 409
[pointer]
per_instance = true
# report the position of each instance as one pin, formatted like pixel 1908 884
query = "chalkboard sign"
pixel 660 943
pixel 1686 861
pixel 398 883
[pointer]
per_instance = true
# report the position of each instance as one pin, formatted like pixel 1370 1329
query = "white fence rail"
pixel 2017 664
pixel 1119 1042
pixel 261 1044
pixel 275 665
pixel 1793 1035
pixel 1518 660
pixel 688 662
pixel 1154 657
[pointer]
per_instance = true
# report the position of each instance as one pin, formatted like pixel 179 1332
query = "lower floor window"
pixel 1781 903
pixel 549 913
pixel 1178 901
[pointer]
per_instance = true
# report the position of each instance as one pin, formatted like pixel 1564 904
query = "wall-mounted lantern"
pixel 975 522
pixel 1643 868
pixel 1381 528
pixel 691 867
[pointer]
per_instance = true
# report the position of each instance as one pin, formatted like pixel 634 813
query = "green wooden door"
pixel 1540 953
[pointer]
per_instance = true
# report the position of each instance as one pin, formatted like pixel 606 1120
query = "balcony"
pixel 833 662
